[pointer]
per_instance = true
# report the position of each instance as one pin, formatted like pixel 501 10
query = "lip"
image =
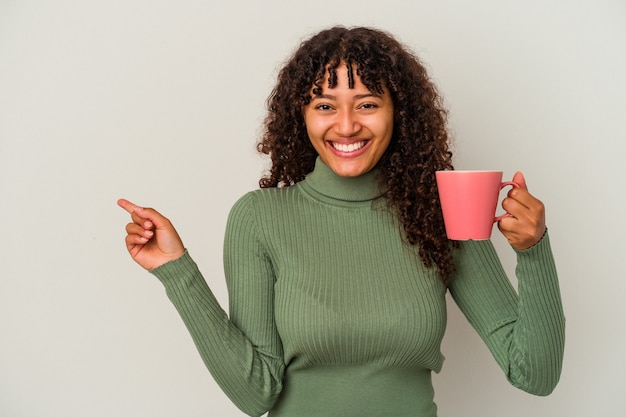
pixel 353 154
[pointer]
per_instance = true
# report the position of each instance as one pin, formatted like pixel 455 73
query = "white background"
pixel 161 102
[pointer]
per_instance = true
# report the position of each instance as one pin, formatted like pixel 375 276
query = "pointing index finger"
pixel 128 206
pixel 146 217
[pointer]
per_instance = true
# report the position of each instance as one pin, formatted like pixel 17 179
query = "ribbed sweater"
pixel 332 314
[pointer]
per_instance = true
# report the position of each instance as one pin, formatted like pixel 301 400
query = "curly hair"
pixel 419 144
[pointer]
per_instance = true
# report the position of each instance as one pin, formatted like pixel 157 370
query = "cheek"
pixel 314 128
pixel 385 128
pixel 310 125
pixel 314 136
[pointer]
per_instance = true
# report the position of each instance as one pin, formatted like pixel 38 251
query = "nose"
pixel 347 123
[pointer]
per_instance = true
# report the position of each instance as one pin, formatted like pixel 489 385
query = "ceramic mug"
pixel 469 200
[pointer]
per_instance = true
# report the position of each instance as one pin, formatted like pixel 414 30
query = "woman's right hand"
pixel 151 239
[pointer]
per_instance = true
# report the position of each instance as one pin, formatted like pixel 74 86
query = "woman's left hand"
pixel 527 221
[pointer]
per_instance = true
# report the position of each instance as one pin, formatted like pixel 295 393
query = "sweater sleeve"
pixel 243 352
pixel 524 330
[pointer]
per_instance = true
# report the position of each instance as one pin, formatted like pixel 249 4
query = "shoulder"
pixel 266 196
pixel 255 216
pixel 263 202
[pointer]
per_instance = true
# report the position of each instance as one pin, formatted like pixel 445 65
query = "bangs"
pixel 373 80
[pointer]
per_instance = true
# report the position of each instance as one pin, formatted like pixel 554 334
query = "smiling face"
pixel 350 128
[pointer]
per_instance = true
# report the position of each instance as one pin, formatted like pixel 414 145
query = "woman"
pixel 338 267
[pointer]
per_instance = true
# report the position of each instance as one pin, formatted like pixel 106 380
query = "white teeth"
pixel 348 147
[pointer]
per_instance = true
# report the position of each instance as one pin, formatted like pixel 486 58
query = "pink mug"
pixel 468 201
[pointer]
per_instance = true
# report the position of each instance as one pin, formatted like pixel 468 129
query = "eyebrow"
pixel 357 97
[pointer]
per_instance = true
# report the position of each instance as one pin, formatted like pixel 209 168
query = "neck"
pixel 326 183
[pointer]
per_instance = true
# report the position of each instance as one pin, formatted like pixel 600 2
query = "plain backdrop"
pixel 161 102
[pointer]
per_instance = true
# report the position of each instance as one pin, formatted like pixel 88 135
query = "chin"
pixel 349 170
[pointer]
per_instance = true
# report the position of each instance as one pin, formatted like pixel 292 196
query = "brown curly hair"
pixel 419 144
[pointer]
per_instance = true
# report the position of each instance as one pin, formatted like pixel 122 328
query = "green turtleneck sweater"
pixel 331 314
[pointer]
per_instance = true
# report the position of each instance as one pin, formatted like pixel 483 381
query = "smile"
pixel 348 147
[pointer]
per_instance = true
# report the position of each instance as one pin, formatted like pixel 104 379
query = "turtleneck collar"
pixel 323 183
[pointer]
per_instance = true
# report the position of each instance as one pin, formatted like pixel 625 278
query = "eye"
pixel 369 106
pixel 323 107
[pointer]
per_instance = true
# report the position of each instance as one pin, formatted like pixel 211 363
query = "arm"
pixel 525 332
pixel 243 352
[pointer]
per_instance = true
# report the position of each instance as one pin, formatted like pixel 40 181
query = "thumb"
pixel 519 179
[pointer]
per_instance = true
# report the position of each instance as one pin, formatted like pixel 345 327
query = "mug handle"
pixel 505 184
